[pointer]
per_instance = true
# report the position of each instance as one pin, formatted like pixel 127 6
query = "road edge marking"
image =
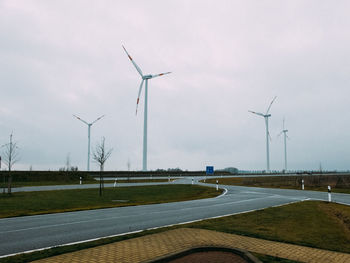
pixel 138 231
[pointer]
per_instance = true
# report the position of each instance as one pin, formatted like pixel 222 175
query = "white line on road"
pixel 224 193
pixel 138 231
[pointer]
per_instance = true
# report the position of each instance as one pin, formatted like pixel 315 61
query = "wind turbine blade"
pixel 268 109
pixel 138 96
pixel 257 113
pixel 80 119
pixel 99 118
pixel 161 74
pixel 269 136
pixel 132 61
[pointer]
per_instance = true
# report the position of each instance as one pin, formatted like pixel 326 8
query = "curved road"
pixel 28 233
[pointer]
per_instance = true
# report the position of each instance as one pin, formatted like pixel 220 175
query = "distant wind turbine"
pixel 284 131
pixel 144 78
pixel 89 128
pixel 266 116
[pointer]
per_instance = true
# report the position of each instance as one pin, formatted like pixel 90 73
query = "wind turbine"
pixel 145 78
pixel 266 117
pixel 284 131
pixel 89 128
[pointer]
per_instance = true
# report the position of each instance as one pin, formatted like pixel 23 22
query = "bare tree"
pixel 11 156
pixel 100 155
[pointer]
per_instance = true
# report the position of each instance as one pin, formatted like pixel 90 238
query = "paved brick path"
pixel 146 248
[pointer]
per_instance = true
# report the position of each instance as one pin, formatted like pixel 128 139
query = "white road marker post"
pixel 80 180
pixel 329 193
pixel 217 185
pixel 168 178
pixel 115 182
pixel 302 184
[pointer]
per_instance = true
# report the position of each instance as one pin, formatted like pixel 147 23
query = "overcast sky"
pixel 59 58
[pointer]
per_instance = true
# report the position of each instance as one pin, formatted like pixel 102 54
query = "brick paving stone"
pixel 147 248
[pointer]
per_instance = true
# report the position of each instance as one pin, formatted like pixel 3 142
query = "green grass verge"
pixel 139 181
pixel 314 224
pixel 76 182
pixel 283 182
pixel 42 202
pixel 48 183
pixel 29 178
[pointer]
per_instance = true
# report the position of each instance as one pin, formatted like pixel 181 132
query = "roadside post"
pixel 192 180
pixel 168 178
pixel 80 180
pixel 329 193
pixel 115 182
pixel 217 185
pixel 302 184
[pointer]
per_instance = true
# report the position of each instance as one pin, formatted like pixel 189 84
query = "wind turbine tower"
pixel 285 136
pixel 266 117
pixel 89 131
pixel 145 78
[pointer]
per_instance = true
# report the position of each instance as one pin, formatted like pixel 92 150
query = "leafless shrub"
pixel 100 155
pixel 11 156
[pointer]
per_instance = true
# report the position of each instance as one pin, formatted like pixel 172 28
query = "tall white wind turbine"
pixel 89 128
pixel 145 78
pixel 266 117
pixel 285 136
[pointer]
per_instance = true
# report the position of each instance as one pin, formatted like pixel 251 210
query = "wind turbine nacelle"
pixel 147 77
pixel 267 115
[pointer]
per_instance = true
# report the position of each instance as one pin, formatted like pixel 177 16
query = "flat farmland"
pixel 340 183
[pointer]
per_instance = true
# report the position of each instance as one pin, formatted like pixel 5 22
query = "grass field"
pixel 310 223
pixel 42 202
pixel 44 183
pixel 140 181
pixel 36 178
pixel 91 181
pixel 339 183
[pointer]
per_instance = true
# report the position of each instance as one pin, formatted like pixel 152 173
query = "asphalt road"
pixel 21 234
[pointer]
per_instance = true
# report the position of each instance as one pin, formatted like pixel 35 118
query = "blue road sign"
pixel 210 170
